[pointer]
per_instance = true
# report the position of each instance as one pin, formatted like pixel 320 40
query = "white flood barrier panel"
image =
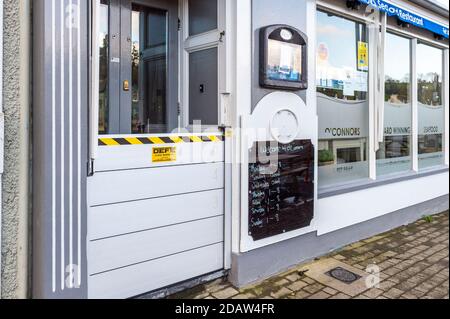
pixel 154 224
pixel 131 185
pixel 141 278
pixel 137 156
pixel 146 214
pixel 134 248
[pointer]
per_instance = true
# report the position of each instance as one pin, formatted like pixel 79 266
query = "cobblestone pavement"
pixel 413 261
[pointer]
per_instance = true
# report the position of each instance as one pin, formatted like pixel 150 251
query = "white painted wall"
pixel 336 212
pixel 242 104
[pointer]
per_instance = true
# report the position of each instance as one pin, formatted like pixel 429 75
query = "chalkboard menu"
pixel 281 188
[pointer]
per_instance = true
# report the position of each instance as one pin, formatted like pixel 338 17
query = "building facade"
pixel 151 145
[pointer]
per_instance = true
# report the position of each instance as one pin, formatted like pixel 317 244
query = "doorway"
pixel 156 194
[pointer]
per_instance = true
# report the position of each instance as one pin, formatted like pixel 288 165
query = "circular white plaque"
pixel 284 126
pixel 286 34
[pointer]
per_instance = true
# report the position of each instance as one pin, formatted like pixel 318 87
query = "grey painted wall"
pixel 268 12
pixel 60 111
pixel 268 261
pixel 15 192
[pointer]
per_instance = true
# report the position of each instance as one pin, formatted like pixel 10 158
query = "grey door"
pixel 204 87
pixel 141 72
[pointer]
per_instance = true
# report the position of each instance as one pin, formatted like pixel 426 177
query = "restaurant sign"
pixel 408 17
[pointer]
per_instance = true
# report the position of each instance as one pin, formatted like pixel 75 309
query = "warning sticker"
pixel 363 56
pixel 164 154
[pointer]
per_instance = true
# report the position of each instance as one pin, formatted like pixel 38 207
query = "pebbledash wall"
pixel 15 193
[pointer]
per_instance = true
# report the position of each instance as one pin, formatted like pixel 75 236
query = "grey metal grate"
pixel 343 275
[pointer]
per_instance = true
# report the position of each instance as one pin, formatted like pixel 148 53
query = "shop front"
pixel 185 140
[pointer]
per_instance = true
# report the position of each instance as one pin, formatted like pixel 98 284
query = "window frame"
pixel 208 40
pixel 121 71
pixel 187 44
pixel 376 180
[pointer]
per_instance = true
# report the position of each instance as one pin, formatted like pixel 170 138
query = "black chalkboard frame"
pixel 295 195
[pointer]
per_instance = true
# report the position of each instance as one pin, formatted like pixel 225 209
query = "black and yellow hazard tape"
pixel 111 141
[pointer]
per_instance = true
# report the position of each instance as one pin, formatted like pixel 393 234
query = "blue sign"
pixel 408 17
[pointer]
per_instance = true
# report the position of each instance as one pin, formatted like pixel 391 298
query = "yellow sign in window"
pixel 363 56
pixel 164 154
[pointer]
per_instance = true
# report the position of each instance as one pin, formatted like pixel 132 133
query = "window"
pixel 140 90
pixel 138 81
pixel 202 63
pixel 342 99
pixel 430 105
pixel 103 42
pixel 202 16
pixel 394 154
pixel 149 70
pixel 344 102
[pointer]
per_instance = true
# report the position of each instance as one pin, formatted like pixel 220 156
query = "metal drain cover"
pixel 343 275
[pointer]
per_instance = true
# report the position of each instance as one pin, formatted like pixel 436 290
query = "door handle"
pixel 126 85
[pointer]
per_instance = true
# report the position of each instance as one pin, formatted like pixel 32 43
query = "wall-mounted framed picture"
pixel 283 58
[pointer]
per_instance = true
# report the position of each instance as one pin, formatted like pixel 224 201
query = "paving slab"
pixel 412 260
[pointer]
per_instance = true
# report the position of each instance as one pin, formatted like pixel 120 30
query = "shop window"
pixel 342 99
pixel 202 16
pixel 394 155
pixel 430 106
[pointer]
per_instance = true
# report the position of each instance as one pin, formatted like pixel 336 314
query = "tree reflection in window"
pixel 430 104
pixel 394 154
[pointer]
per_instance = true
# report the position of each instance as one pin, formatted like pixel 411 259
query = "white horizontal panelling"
pixel 140 156
pixel 126 250
pixel 338 212
pixel 131 185
pixel 142 278
pixel 148 214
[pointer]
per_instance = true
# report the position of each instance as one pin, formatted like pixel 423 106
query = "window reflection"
pixel 103 41
pixel 337 57
pixel 342 92
pixel 149 70
pixel 202 16
pixel 431 110
pixel 285 61
pixel 394 154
